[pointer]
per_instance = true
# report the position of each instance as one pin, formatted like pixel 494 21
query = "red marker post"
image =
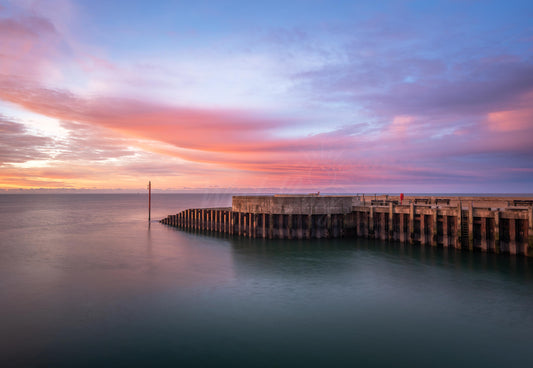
pixel 401 198
pixel 149 200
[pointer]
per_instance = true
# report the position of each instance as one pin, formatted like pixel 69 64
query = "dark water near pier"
pixel 85 281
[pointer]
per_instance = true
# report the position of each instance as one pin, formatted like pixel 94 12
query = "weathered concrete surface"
pixel 293 205
pixel 479 202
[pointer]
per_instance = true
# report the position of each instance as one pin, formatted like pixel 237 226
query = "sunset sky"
pixel 308 95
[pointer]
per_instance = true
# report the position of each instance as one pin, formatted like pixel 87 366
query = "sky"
pixel 284 96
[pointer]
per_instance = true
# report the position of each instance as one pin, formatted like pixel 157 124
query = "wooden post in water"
pixel 149 200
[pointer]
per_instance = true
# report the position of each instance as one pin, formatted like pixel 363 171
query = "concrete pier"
pixel 487 224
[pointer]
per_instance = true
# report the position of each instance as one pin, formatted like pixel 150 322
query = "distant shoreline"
pixel 156 192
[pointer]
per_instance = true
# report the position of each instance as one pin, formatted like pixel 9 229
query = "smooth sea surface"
pixel 86 281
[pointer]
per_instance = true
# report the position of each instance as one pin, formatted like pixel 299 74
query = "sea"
pixel 87 281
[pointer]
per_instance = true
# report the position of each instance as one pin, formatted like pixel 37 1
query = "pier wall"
pixel 490 226
pixel 293 205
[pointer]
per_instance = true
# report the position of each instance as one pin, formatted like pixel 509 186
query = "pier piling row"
pixel 447 222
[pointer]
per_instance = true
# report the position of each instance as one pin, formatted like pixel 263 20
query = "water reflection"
pixel 264 253
pixel 86 285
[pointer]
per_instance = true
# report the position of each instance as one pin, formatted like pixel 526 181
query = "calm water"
pixel 85 281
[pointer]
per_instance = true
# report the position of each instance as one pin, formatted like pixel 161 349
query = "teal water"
pixel 85 281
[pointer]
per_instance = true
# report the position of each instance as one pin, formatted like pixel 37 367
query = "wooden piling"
pixel 402 228
pixel 289 226
pixel 489 229
pixel 253 222
pixel 281 229
pixel 299 227
pixel 250 225
pixel 483 234
pixel 309 225
pixel 371 233
pixel 422 229
pixel 434 227
pixel 270 226
pixel 530 231
pixel 356 223
pixel 512 236
pixel 383 226
pixel 495 228
pixel 459 229
pixel 471 226
pixel 445 240
pixel 523 244
pixel 411 223
pixel 263 229
pixel 390 235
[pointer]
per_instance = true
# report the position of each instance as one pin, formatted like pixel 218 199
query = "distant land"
pixel 239 191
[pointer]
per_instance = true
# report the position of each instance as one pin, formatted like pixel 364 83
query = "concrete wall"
pixel 293 205
pixel 480 202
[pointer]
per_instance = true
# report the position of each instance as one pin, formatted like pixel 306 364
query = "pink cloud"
pixel 430 126
pixel 227 138
pixel 403 151
pixel 27 44
pixel 519 119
